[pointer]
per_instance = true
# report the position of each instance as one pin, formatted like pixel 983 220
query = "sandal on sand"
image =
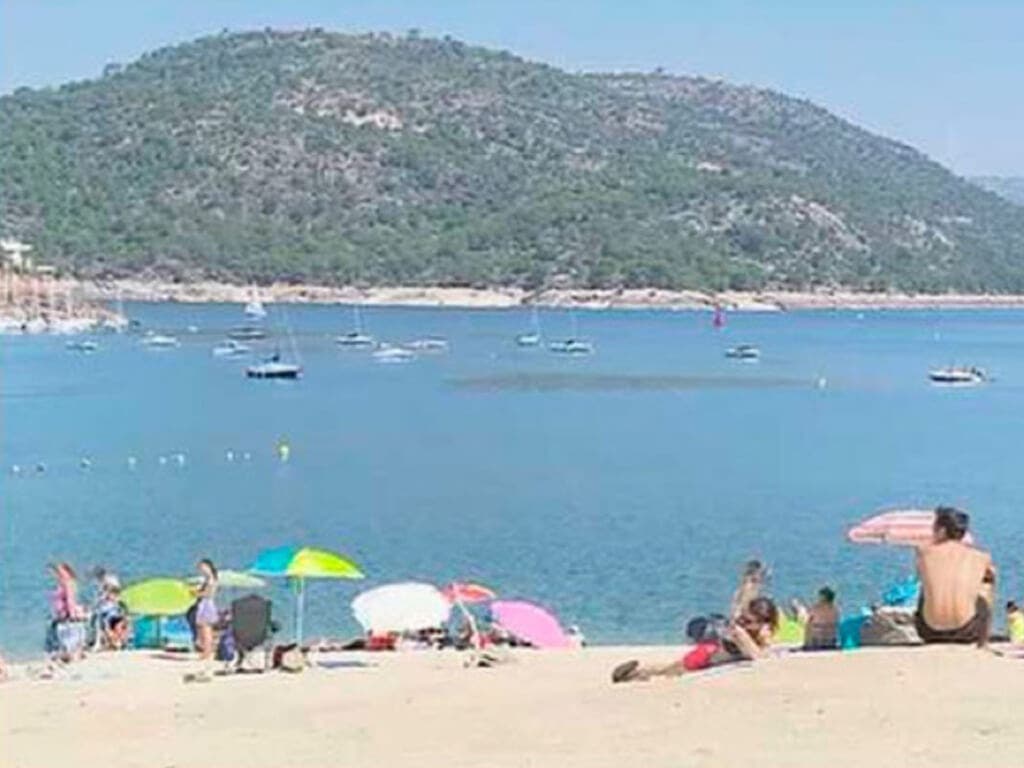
pixel 625 671
pixel 197 677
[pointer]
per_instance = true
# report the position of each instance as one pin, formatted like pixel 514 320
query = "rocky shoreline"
pixel 500 297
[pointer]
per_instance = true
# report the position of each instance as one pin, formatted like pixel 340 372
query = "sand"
pixel 915 707
pixel 503 297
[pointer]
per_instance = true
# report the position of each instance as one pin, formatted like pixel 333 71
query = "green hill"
pixel 374 159
pixel 1008 187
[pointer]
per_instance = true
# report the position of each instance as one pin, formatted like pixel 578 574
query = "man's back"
pixel 952 578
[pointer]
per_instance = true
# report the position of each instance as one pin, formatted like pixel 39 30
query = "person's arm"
pixel 748 647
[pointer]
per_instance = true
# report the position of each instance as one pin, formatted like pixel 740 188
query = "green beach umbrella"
pixel 158 597
pixel 299 564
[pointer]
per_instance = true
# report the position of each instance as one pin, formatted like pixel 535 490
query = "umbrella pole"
pixel 299 609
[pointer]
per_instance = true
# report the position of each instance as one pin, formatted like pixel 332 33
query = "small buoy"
pixel 229 455
pixel 131 462
pixel 822 382
pixel 180 458
pixel 16 470
pixel 162 460
pixel 283 450
pixel 85 463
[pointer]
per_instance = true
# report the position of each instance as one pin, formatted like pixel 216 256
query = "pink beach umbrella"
pixel 902 527
pixel 531 623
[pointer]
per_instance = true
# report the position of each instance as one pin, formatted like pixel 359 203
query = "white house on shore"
pixel 15 254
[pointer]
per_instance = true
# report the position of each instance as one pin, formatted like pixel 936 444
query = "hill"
pixel 381 160
pixel 1008 187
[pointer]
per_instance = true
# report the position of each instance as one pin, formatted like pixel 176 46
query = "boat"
pixel 573 344
pixel 958 376
pixel 743 352
pixel 531 338
pixel 160 341
pixel 247 333
pixel 82 345
pixel 390 353
pixel 255 309
pixel 429 344
pixel 355 339
pixel 572 347
pixel 274 369
pixel 231 348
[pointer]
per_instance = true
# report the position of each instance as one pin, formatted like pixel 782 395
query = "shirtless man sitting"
pixel 957 584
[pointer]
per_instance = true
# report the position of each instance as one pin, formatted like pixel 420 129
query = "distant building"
pixel 15 253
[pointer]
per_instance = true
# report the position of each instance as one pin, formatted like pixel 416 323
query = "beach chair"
pixel 252 628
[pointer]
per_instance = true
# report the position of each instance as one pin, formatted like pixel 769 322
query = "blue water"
pixel 623 490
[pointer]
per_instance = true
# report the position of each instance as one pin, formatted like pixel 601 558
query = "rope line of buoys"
pixel 179 459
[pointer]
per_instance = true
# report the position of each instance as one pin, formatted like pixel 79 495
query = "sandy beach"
pixel 893 707
pixel 498 297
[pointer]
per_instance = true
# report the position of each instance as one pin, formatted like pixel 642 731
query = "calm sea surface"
pixel 622 489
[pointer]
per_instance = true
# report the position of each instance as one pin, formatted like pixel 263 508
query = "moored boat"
pixel 247 333
pixel 572 347
pixel 274 369
pixel 231 348
pixel 958 376
pixel 743 352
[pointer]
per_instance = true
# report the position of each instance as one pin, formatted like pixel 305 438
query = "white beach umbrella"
pixel 403 607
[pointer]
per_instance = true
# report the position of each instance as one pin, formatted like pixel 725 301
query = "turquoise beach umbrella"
pixel 299 564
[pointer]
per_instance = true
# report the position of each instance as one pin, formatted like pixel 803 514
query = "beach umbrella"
pixel 531 623
pixel 461 593
pixel 468 592
pixel 901 527
pixel 299 564
pixel 158 597
pixel 229 579
pixel 401 607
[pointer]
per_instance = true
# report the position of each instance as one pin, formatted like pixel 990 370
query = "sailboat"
pixel 355 339
pixel 573 345
pixel 254 309
pixel 274 367
pixel 532 337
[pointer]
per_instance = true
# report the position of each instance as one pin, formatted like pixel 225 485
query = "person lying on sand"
pixel 746 638
pixel 957 584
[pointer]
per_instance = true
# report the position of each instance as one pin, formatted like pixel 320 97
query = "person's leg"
pixel 983 619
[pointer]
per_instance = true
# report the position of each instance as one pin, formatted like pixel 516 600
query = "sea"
pixel 622 489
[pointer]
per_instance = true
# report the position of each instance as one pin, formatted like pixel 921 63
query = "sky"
pixel 945 76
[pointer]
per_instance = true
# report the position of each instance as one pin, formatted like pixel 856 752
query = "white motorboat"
pixel 429 344
pixel 231 348
pixel 390 353
pixel 159 341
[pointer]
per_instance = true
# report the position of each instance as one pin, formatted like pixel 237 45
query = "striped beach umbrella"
pixel 299 564
pixel 901 527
